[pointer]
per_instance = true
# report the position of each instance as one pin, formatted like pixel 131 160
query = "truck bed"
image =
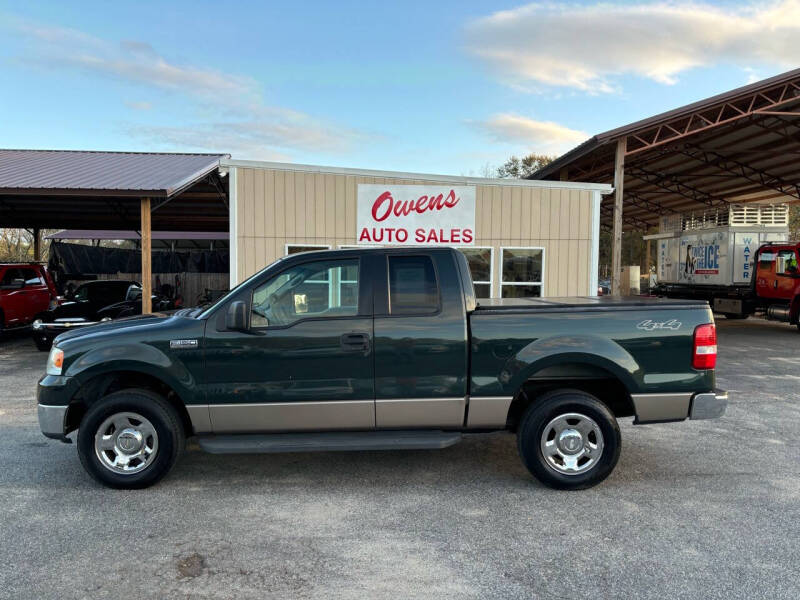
pixel 585 303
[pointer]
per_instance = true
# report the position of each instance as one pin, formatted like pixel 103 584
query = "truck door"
pixel 786 272
pixel 37 294
pixel 766 278
pixel 420 342
pixel 307 361
pixel 13 298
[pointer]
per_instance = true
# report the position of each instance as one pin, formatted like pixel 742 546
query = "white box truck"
pixel 710 256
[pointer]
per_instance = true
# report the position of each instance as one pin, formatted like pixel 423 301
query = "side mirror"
pixel 236 317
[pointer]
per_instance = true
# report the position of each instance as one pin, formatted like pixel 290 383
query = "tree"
pixel 794 223
pixel 519 168
pixel 16 245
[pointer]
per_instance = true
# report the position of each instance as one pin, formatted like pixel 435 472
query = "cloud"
pixel 268 139
pixel 243 123
pixel 588 47
pixel 539 136
pixel 138 105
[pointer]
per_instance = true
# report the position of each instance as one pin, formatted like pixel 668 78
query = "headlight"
pixel 55 361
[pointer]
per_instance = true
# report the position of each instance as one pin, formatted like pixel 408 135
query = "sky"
pixel 450 87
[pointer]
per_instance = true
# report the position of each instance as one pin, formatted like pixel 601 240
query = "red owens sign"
pixel 416 215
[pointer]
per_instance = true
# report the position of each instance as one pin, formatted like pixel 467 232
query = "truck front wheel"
pixel 569 440
pixel 130 439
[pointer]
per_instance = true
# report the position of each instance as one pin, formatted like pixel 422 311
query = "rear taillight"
pixel 704 354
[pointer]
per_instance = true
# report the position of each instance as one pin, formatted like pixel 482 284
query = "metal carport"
pixel 113 190
pixel 737 147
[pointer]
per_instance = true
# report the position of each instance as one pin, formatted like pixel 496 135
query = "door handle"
pixel 357 342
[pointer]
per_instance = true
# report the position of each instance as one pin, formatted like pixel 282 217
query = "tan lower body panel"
pixel 419 412
pixel 293 416
pixel 661 407
pixel 488 412
pixel 200 417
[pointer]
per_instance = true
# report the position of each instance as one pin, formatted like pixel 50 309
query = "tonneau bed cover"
pixel 585 303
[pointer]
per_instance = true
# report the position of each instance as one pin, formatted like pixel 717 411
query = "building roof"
pixel 159 175
pixel 739 146
pixel 603 188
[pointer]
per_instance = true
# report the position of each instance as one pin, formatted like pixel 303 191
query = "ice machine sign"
pixel 704 260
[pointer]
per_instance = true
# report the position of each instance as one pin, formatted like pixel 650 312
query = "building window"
pixel 521 272
pixel 480 267
pixel 295 248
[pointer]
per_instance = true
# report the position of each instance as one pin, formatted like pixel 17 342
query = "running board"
pixel 327 442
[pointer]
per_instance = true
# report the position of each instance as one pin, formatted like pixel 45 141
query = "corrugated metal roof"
pixel 552 170
pixel 736 147
pixel 159 174
pixel 116 234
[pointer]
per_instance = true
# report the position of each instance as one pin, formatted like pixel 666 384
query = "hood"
pixel 116 326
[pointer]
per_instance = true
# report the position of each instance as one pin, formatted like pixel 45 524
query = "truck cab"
pixel 26 292
pixel 372 349
pixel 777 281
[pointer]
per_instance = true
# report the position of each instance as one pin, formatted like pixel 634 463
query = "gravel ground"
pixel 706 509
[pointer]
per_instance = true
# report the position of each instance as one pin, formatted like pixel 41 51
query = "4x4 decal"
pixel 649 325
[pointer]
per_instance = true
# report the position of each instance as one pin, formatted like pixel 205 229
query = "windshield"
pixel 207 311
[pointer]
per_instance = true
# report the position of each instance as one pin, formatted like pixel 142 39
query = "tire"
pixel 154 434
pixel 568 411
pixel 42 344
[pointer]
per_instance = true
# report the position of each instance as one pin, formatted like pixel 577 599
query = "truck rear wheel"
pixel 130 439
pixel 569 440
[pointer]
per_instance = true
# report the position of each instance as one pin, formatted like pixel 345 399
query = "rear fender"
pixel 590 350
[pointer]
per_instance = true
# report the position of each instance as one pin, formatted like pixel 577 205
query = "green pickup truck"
pixel 378 349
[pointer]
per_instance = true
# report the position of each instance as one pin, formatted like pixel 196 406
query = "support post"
pixel 647 264
pixel 616 238
pixel 37 244
pixel 147 271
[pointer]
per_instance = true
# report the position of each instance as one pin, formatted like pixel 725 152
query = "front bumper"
pixel 53 394
pixel 53 328
pixel 664 408
pixel 53 421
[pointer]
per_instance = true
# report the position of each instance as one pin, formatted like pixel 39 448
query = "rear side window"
pixel 10 275
pixel 412 285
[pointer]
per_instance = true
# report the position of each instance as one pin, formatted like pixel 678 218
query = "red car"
pixel 26 291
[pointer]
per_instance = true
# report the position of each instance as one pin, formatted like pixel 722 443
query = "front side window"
pixel 522 270
pixel 480 267
pixel 412 285
pixel 82 293
pixel 324 288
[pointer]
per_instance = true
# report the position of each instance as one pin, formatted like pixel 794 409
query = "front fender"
pixel 136 357
pixel 591 350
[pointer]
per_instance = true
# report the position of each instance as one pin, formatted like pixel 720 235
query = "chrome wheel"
pixel 126 443
pixel 571 444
